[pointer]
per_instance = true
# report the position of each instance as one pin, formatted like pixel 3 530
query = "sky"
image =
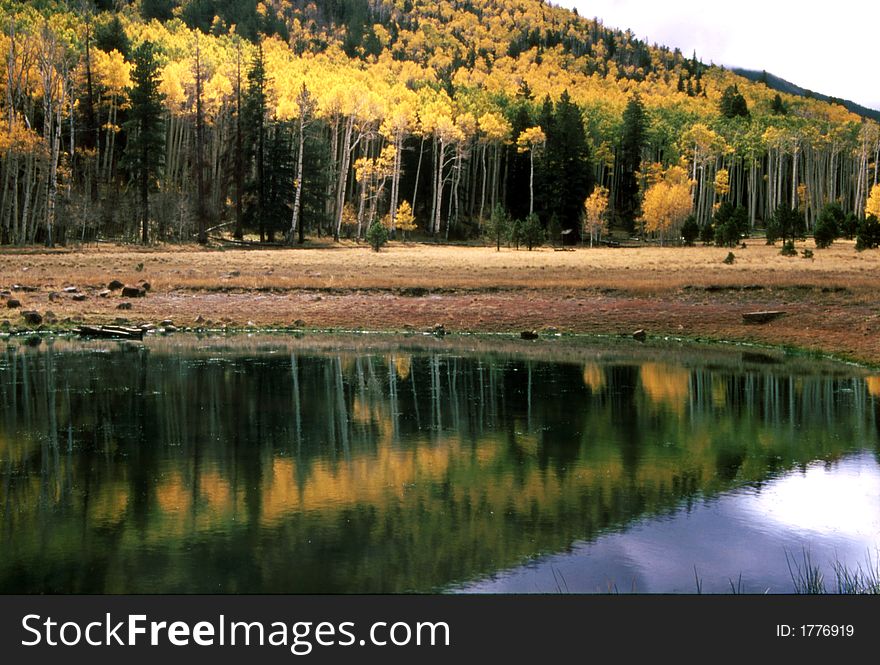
pixel 827 47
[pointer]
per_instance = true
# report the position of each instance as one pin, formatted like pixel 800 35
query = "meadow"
pixel 829 299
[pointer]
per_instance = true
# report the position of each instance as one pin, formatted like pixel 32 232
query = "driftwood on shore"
pixel 762 317
pixel 110 332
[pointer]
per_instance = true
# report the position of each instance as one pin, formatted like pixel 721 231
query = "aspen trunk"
pixel 294 220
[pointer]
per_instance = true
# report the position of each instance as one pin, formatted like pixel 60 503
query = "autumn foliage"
pixel 315 119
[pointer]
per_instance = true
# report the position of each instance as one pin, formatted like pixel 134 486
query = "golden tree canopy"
pixel 530 139
pixel 595 208
pixel 667 203
pixel 872 207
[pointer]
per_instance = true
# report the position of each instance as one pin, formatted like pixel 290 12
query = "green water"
pixel 279 465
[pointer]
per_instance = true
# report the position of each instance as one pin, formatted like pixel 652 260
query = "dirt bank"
pixel 830 301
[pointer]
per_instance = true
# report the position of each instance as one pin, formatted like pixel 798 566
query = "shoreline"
pixel 376 339
pixel 830 304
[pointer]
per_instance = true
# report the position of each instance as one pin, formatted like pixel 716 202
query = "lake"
pixel 372 464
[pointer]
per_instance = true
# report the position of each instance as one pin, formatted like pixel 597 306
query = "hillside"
pixel 781 85
pixel 166 120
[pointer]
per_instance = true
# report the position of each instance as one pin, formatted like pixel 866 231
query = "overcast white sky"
pixel 828 47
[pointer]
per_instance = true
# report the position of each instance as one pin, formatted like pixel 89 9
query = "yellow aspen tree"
pixel 306 106
pixel 404 219
pixel 531 140
pixel 397 126
pixel 466 124
pixel 722 183
pixel 872 206
pixel 114 75
pixel 595 208
pixel 667 203
pixel 494 132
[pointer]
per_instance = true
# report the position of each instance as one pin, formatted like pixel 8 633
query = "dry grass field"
pixel 831 301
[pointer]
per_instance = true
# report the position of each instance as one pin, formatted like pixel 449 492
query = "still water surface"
pixel 279 465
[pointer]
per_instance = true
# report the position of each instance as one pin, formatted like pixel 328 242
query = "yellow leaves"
pixel 405 221
pixel 703 143
pixel 530 139
pixel 722 182
pixel 435 111
pixel 111 71
pixel 595 208
pixel 19 139
pixel 466 124
pixel 402 364
pixel 667 203
pixel 349 216
pixel 665 385
pixel 367 169
pixel 446 130
pixel 872 207
pixel 400 120
pixel 652 173
pixel 177 76
pixel 803 194
pixel 594 378
pixel 218 89
pixel 382 34
pixel 494 128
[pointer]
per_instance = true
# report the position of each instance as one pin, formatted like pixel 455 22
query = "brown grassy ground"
pixel 831 300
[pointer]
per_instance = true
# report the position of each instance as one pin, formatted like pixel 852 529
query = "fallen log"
pixel 762 317
pixel 110 332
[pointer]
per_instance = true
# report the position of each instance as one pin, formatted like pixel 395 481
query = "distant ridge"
pixel 775 83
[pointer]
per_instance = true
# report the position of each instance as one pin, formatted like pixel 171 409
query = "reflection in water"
pixel 293 469
pixel 738 540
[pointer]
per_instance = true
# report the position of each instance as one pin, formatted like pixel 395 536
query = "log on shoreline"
pixel 762 317
pixel 111 332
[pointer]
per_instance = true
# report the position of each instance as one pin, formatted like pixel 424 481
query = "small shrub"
pixel 825 233
pixel 730 223
pixel 729 259
pixel 727 234
pixel 707 233
pixel 690 230
pixel 498 226
pixel 788 248
pixel 850 226
pixel 828 226
pixel 869 233
pixel 740 217
pixel 786 224
pixel 807 253
pixel 533 232
pixel 515 235
pixel 377 235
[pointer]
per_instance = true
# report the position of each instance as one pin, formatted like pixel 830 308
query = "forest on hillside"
pixel 169 120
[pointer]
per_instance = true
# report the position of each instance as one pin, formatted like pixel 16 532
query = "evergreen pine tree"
pixel 254 118
pixel 733 104
pixel 567 175
pixel 778 107
pixel 316 173
pixel 517 183
pixel 632 140
pixel 111 36
pixel 278 173
pixel 145 149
